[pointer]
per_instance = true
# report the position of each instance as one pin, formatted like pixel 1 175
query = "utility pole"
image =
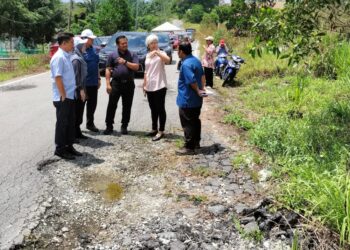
pixel 137 14
pixel 71 2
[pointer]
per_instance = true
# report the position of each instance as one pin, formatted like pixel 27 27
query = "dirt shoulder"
pixel 128 192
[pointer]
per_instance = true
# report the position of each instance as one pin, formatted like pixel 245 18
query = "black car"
pixel 164 44
pixel 136 44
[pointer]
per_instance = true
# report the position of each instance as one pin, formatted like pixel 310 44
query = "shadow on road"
pixel 87 160
pixel 210 150
pixel 93 142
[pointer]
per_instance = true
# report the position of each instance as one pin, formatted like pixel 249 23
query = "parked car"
pixel 136 44
pixel 53 48
pixel 104 40
pixel 165 44
pixel 175 42
pixel 192 33
pixel 98 45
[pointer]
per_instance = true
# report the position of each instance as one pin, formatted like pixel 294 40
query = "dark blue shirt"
pixel 191 72
pixel 91 58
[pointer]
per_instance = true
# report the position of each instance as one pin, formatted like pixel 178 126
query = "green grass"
pixel 303 124
pixel 235 118
pixel 256 236
pixel 27 64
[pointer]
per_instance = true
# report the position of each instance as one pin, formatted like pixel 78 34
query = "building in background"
pixel 223 2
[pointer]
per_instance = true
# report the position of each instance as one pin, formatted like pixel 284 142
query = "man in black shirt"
pixel 121 65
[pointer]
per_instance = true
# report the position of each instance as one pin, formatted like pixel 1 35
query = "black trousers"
pixel 91 103
pixel 156 101
pixel 125 90
pixel 209 76
pixel 191 124
pixel 79 112
pixel 65 124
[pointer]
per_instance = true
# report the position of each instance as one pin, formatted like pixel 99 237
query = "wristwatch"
pixel 125 62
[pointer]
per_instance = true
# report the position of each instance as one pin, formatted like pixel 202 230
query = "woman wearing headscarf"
pixel 80 70
pixel 155 85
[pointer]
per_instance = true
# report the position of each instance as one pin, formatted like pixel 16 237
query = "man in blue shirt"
pixel 190 98
pixel 93 79
pixel 63 86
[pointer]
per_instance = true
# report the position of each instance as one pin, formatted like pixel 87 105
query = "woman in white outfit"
pixel 155 85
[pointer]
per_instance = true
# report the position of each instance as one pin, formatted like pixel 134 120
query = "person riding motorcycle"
pixel 222 52
pixel 221 48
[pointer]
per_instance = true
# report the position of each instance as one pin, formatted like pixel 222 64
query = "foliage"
pixel 296 31
pixel 114 15
pixel 195 14
pixel 181 6
pixel 237 119
pixel 210 18
pixel 240 15
pixel 34 20
pixel 88 22
pixel 91 6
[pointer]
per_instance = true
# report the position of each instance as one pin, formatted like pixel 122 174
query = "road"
pixel 27 137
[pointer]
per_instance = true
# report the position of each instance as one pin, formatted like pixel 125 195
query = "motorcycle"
pixel 220 64
pixel 231 69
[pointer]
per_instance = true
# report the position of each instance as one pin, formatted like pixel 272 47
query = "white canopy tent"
pixel 167 27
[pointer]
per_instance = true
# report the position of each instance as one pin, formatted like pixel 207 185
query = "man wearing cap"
pixel 190 98
pixel 63 87
pixel 208 61
pixel 93 79
pixel 121 65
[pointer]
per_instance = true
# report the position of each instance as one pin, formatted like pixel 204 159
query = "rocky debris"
pixel 163 201
pixel 217 210
pixel 251 227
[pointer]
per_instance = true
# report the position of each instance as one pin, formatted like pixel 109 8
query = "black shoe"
pixel 185 151
pixel 152 133
pixel 73 151
pixel 81 136
pixel 158 137
pixel 92 128
pixel 108 131
pixel 64 154
pixel 123 130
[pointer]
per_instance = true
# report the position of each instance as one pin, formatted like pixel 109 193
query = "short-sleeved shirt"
pixel 155 73
pixel 91 58
pixel 121 71
pixel 191 72
pixel 61 65
pixel 208 57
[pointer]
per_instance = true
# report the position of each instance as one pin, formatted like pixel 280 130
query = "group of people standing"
pixel 76 80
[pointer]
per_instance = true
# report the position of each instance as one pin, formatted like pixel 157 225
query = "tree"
pixel 91 6
pixel 210 18
pixel 296 31
pixel 181 6
pixel 34 20
pixel 195 14
pixel 114 15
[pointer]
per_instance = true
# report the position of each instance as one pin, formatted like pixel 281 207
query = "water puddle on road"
pixel 110 191
pixel 108 187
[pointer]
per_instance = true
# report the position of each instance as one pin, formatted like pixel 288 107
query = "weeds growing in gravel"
pixel 303 124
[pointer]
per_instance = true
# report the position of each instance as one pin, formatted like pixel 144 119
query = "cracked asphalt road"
pixel 27 120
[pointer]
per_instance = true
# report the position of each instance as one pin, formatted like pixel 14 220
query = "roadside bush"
pixel 334 60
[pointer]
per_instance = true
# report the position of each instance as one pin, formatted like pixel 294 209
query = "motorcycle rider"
pixel 220 49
